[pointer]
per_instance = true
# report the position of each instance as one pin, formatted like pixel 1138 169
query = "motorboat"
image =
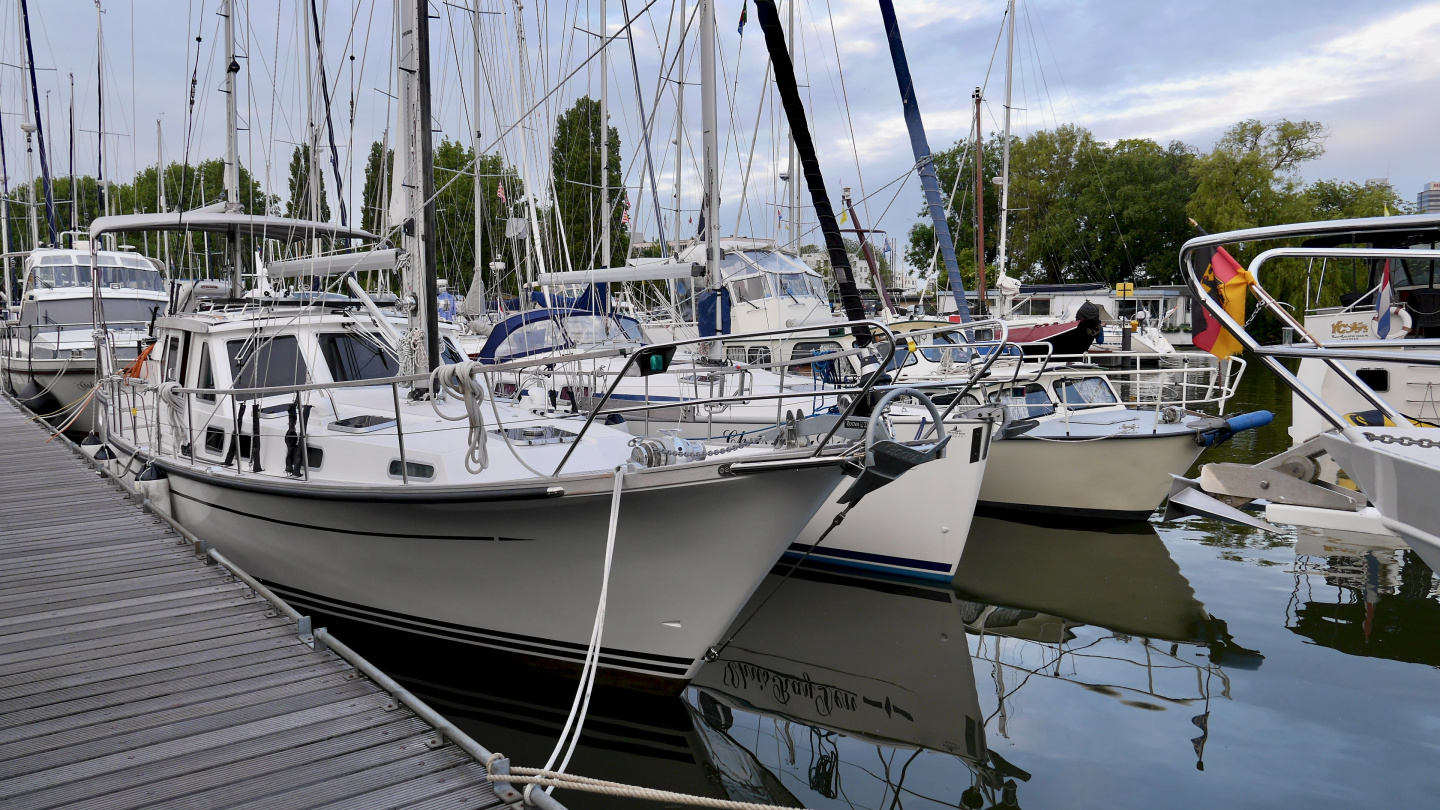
pixel 1382 445
pixel 47 359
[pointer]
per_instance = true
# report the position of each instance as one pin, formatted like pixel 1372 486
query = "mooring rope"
pixel 554 779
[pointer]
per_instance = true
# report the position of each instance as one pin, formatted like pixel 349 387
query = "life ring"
pixel 1400 323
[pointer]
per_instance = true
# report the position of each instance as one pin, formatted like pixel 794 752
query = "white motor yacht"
pixel 47 360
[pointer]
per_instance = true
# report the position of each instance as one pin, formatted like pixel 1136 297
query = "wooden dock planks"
pixel 134 675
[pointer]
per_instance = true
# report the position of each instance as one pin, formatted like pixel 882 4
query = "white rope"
pixel 552 779
pixel 459 381
pixel 581 705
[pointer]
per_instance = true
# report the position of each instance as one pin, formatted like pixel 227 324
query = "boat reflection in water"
pixel 1365 596
pixel 1030 589
pixel 843 685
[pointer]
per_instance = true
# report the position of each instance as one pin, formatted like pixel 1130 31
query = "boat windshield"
pixel 1086 391
pixel 127 277
pixel 357 357
pixel 80 312
pixel 1025 402
pixel 952 352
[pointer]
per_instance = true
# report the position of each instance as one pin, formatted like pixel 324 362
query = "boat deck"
pixel 133 674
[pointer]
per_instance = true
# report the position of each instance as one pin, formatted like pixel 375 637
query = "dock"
pixel 135 671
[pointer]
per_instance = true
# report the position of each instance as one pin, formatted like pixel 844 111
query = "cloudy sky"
pixel 1123 68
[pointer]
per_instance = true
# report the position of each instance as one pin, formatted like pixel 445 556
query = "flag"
pixel 1382 303
pixel 625 218
pixel 744 15
pixel 1225 281
pixel 500 191
pixel 843 216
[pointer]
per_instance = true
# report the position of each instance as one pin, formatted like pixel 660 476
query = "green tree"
pixel 298 205
pixel 575 161
pixel 373 199
pixel 1252 176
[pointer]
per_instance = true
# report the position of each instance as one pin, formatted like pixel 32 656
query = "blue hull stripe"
pixel 875 562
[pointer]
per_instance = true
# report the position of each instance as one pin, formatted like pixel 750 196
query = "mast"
pixel 1001 252
pixel 102 207
pixel 312 140
pixel 534 250
pixel 420 351
pixel 5 228
pixel 868 253
pixel 31 126
pixel 792 186
pixel 604 137
pixel 979 211
pixel 74 192
pixel 810 164
pixel 710 181
pixel 679 130
pixel 920 146
pixel 476 185
pixel 160 203
pixel 232 149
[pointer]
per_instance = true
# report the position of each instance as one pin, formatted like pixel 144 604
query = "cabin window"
pixel 206 374
pixel 266 362
pixel 353 357
pixel 582 329
pixel 1377 379
pixel 954 350
pixel 413 470
pixel 172 359
pixel 749 355
pixel 532 337
pixel 214 440
pixel 826 369
pixel 1085 391
pixel 792 284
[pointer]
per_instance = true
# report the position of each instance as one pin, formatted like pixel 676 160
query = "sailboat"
pixel 396 484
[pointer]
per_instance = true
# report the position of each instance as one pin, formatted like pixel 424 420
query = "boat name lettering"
pixel 1343 329
pixel 783 687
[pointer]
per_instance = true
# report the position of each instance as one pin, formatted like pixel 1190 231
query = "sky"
pixel 1122 68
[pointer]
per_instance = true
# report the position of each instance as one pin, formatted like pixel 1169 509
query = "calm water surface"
pixel 1188 664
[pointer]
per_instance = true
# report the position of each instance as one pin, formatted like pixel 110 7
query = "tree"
pixel 298 206
pixel 1252 176
pixel 374 197
pixel 575 162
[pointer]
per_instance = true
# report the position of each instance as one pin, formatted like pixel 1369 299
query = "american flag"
pixel 500 191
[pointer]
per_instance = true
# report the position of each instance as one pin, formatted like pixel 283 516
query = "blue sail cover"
pixel 920 145
pixel 705 301
pixel 596 298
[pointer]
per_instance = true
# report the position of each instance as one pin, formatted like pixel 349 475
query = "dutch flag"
pixel 1382 304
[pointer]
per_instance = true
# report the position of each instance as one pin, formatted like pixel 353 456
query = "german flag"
pixel 1225 281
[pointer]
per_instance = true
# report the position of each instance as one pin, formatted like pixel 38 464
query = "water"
pixel 1189 664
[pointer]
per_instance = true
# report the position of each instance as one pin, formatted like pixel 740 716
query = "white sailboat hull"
pixel 521 575
pixel 913 528
pixel 51 386
pixel 1118 477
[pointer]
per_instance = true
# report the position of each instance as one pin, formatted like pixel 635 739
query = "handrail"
pixel 849 408
pixel 1329 355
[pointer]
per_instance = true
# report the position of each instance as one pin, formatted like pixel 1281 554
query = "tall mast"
pixel 232 149
pixel 534 249
pixel 792 186
pixel 312 141
pixel 5 213
pixel 679 127
pixel 418 188
pixel 1000 255
pixel 160 204
pixel 33 126
pixel 979 211
pixel 74 192
pixel 924 161
pixel 102 207
pixel 476 186
pixel 710 183
pixel 605 251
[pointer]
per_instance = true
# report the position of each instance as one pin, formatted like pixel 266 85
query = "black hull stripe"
pixel 397 495
pixel 313 527
pixel 865 556
pixel 483 638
